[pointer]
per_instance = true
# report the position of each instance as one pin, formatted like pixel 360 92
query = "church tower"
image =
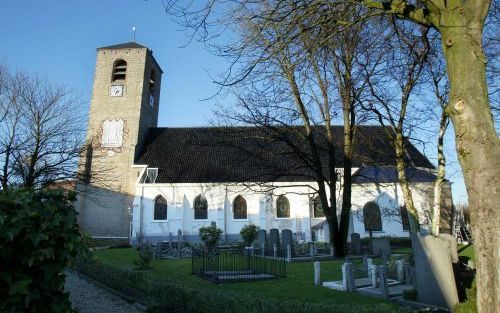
pixel 125 99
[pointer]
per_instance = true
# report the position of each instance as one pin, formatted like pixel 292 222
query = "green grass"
pixel 298 285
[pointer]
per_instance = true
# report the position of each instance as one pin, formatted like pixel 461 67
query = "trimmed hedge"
pixel 39 235
pixel 164 296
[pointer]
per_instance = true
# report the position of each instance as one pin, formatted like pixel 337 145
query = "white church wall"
pixel 261 209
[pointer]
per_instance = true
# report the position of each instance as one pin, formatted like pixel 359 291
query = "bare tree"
pixel 460 24
pixel 42 134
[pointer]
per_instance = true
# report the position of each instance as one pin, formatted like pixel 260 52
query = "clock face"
pixel 116 91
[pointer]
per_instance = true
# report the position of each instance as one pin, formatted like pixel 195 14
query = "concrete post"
pixel 311 249
pixel 288 253
pixel 275 252
pixel 317 271
pixel 372 273
pixel 262 249
pixel 384 287
pixel 399 270
pixel 347 277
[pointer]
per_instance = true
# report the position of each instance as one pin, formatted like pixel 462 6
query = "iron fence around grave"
pixel 235 266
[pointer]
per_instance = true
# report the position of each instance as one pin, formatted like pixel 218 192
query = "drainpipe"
pixel 225 217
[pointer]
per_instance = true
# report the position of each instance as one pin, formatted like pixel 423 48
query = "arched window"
pixel 152 81
pixel 318 208
pixel 282 207
pixel 372 217
pixel 200 208
pixel 239 208
pixel 119 70
pixel 404 217
pixel 160 208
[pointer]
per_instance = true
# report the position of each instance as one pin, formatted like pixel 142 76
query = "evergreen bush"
pixel 39 235
pixel 249 234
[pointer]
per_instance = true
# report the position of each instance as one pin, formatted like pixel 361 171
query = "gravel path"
pixel 87 297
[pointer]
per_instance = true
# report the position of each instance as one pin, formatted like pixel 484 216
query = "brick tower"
pixel 124 105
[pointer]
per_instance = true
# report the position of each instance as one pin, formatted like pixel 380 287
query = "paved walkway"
pixel 87 297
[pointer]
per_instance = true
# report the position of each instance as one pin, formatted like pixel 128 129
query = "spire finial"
pixel 133 33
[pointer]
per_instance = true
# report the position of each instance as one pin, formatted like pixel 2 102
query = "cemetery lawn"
pixel 298 285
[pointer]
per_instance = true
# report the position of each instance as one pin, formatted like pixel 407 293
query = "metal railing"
pixel 235 266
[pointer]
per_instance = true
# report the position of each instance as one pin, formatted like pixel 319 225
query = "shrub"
pixel 146 254
pixel 210 237
pixel 249 234
pixel 39 235
pixel 410 294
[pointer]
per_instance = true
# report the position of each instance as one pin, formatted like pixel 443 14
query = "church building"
pixel 151 183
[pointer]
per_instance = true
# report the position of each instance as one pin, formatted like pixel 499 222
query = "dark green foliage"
pixel 210 236
pixel 249 234
pixel 146 254
pixel 39 235
pixel 410 294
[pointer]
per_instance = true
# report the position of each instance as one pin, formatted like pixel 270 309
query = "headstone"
pixel 347 277
pixel 400 274
pixel 384 287
pixel 365 263
pixel 435 279
pixel 213 224
pixel 262 237
pixel 317 271
pixel 287 240
pixel 274 237
pixel 381 246
pixel 373 275
pixel 355 244
pixel 452 245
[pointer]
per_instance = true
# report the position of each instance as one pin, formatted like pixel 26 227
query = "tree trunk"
pixel 403 181
pixel 438 185
pixel 478 151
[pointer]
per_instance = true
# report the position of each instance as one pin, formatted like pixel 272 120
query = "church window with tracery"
pixel 282 207
pixel 161 208
pixel 239 208
pixel 200 208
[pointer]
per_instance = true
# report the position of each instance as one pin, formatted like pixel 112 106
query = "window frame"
pixel 240 198
pixel 155 202
pixel 114 72
pixel 378 215
pixel 287 203
pixel 314 201
pixel 199 198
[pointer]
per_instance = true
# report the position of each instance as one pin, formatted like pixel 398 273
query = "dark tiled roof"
pixel 248 154
pixel 388 174
pixel 126 45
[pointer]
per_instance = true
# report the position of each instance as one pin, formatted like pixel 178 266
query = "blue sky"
pixel 58 39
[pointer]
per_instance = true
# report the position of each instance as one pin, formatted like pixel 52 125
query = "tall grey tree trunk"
pixel 478 151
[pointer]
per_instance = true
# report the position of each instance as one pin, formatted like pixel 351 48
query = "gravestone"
pixel 381 246
pixel 384 287
pixel 274 237
pixel 347 277
pixel 434 272
pixel 262 237
pixel 287 240
pixel 400 270
pixel 452 245
pixel 355 244
pixel 373 275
